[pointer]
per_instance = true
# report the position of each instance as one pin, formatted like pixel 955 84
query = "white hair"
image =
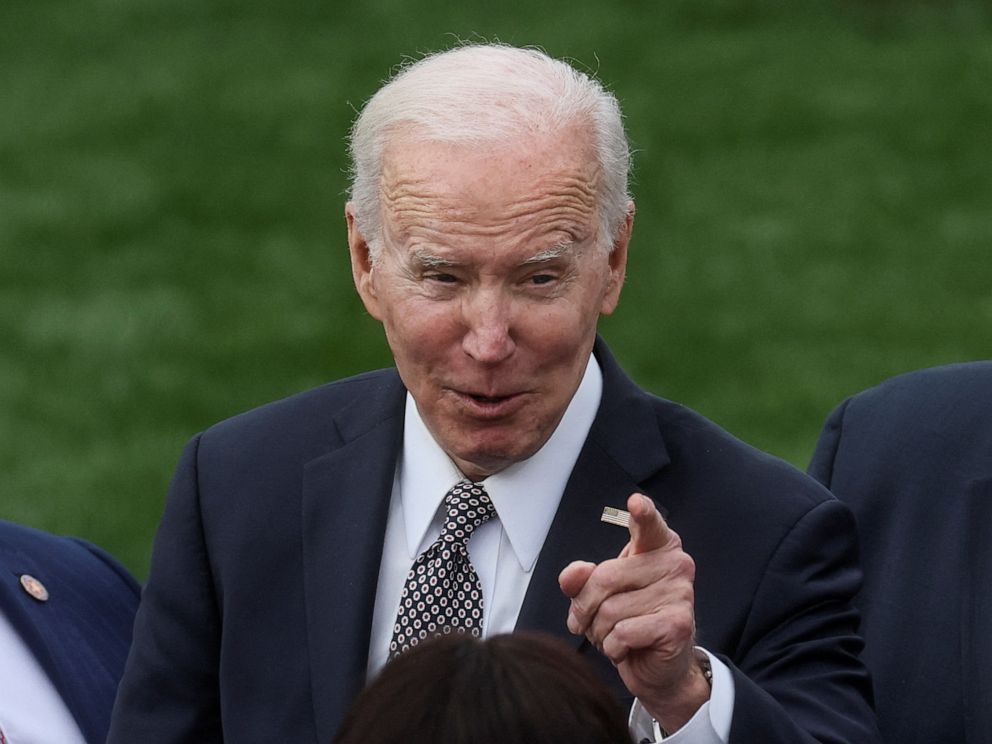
pixel 484 93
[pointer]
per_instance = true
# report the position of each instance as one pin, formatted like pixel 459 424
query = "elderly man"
pixel 66 611
pixel 306 542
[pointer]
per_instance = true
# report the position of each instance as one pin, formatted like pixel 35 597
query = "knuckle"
pixel 614 648
pixel 611 611
pixel 599 631
pixel 610 577
pixel 690 598
pixel 682 627
pixel 621 634
pixel 580 610
pixel 686 566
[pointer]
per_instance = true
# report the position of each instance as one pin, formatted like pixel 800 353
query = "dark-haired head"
pixel 456 689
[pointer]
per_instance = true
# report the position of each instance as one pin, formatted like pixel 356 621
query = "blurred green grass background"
pixel 813 184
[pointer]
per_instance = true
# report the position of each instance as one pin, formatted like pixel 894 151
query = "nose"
pixel 487 338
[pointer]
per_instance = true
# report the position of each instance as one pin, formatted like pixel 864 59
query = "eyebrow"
pixel 550 254
pixel 429 260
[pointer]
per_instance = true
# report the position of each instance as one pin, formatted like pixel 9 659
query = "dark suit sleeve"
pixel 798 677
pixel 821 466
pixel 170 688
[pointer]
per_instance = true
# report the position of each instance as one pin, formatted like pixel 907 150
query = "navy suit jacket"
pixel 81 635
pixel 255 621
pixel 913 458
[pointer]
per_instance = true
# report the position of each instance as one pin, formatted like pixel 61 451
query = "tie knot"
pixel 467 505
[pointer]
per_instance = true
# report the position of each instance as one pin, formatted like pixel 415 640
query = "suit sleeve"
pixel 169 692
pixel 821 466
pixel 798 676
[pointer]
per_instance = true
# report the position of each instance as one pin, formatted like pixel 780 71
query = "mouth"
pixel 483 406
pixel 488 398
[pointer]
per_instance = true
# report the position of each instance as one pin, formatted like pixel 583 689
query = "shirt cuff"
pixel 709 725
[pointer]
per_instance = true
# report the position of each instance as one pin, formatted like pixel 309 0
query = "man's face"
pixel 489 286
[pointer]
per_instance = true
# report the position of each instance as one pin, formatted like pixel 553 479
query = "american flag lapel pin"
pixel 612 515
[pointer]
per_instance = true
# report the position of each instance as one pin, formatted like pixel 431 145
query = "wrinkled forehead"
pixel 500 180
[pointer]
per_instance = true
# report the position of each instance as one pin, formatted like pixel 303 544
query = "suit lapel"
pixel 346 497
pixel 623 449
pixel 577 533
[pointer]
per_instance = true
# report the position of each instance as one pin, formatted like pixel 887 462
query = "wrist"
pixel 672 711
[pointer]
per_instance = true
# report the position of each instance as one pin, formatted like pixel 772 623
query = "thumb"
pixel 574 576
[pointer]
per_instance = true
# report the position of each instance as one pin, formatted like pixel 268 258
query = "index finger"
pixel 648 530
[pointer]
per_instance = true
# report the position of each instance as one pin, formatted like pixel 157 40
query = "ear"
pixel 618 263
pixel 361 263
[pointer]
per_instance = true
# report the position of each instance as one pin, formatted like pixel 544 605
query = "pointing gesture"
pixel 638 610
pixel 648 530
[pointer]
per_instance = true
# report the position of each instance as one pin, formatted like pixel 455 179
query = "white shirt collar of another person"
pixel 526 495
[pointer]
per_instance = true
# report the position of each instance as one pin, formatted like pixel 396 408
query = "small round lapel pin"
pixel 34 587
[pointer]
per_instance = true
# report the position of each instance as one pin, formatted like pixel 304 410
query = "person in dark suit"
pixel 66 613
pixel 307 541
pixel 913 458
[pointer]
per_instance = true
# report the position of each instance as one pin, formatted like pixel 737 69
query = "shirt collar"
pixel 525 495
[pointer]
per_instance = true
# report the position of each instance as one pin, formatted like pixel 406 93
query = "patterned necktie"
pixel 442 591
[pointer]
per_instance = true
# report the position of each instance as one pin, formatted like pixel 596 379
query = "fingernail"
pixel 572 623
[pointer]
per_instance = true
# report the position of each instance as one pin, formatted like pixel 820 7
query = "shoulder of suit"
pixel 19 537
pixel 696 442
pixel 940 412
pixel 372 391
pixel 949 379
pixel 303 426
pixel 26 549
pixel 954 392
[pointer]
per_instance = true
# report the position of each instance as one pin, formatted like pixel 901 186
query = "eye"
pixel 542 279
pixel 441 278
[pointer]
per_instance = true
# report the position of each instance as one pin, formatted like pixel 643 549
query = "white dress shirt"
pixel 504 550
pixel 31 709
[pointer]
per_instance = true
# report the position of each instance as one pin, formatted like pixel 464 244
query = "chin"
pixel 492 460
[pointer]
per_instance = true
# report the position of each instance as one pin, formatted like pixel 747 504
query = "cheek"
pixel 560 328
pixel 419 329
